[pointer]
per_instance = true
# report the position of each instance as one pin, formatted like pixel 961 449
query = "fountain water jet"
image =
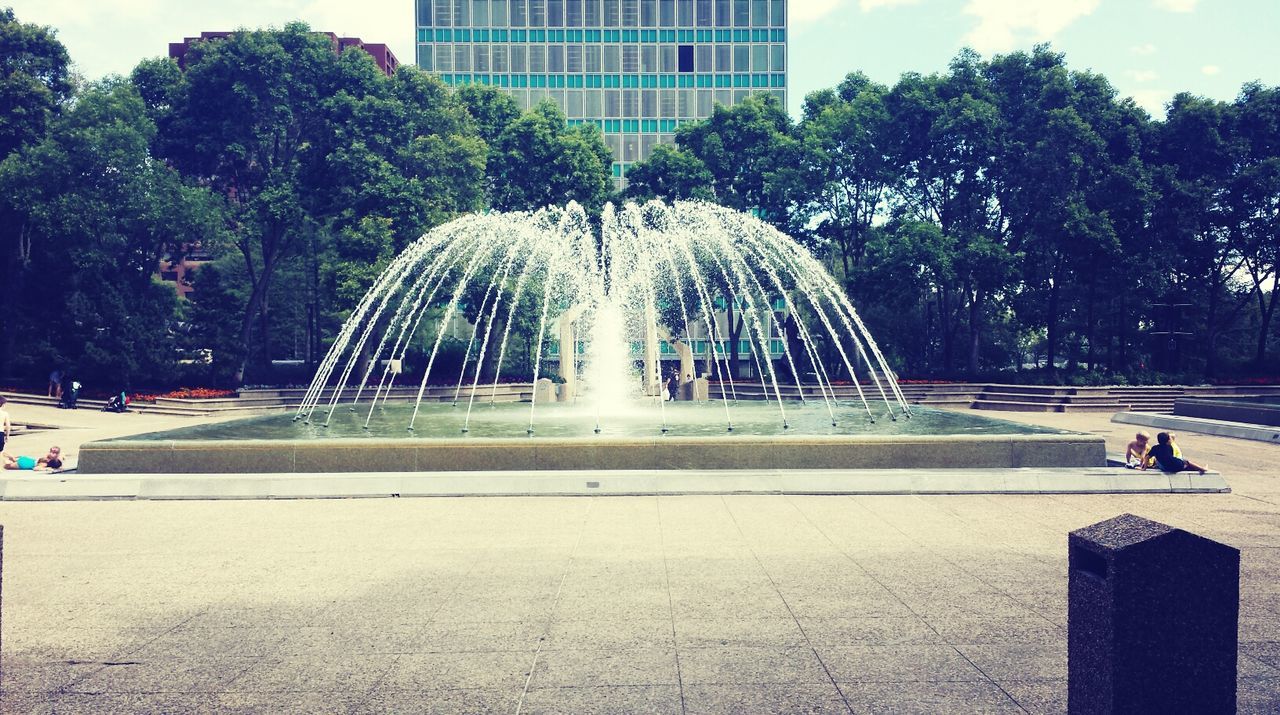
pixel 652 265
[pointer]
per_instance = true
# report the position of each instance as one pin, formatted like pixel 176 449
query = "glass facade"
pixel 635 68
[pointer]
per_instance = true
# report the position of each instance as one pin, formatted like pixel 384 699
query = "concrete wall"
pixel 705 453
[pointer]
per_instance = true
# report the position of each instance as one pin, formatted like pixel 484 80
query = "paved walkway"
pixel 628 604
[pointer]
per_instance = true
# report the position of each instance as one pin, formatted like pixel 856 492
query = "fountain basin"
pixel 695 440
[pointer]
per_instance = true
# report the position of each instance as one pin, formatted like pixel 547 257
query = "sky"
pixel 1149 49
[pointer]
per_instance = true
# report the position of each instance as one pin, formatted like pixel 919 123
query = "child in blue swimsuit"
pixel 51 462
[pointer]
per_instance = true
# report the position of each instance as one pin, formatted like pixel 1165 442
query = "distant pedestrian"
pixel 5 425
pixel 1166 460
pixel 55 383
pixel 70 392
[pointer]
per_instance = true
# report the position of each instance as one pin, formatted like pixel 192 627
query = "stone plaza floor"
pixel 707 604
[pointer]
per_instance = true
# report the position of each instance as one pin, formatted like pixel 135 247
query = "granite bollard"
pixel 1152 620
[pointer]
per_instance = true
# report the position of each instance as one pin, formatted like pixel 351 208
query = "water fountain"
pixel 654 269
pixel 618 291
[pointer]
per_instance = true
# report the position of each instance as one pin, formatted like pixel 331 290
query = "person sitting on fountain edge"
pixel 1164 457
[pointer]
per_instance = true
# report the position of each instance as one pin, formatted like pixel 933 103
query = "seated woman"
pixel 50 462
pixel 1165 457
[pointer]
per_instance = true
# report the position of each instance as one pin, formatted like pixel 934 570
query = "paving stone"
pixel 928 698
pixel 750 666
pixel 653 699
pixel 580 668
pixel 734 699
pixel 897 664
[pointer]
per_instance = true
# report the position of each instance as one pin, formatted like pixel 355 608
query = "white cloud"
pixel 144 28
pixel 1006 24
pixel 1211 70
pixel 1153 100
pixel 1176 5
pixel 810 10
pixel 869 5
pixel 1143 50
pixel 1143 75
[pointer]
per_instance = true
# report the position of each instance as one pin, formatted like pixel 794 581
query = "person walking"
pixel 55 383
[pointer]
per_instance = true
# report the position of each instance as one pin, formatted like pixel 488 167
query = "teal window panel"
pixel 612 81
pixel 503 80
pixel 686 81
pixel 686 36
pixel 742 35
pixel 778 80
pixel 724 35
pixel 613 35
pixel 744 346
pixel 668 81
pixel 575 35
pixel 558 81
pixel 630 81
pixel 776 347
pixel 519 35
pixel 500 35
pixel 444 35
pixel 742 80
pixel 648 35
pixel 759 80
pixel 462 35
pixel 706 80
pixel 594 35
pixel 648 81
pixel 556 36
pixel 631 126
pixel 630 35
pixel 668 125
pixel 706 36
pixel 617 174
pixel 724 80
pixel 424 35
pixel 482 79
pixel 595 81
pixel 778 35
pixel 537 35
pixel 649 126
pixel 481 35
pixel 759 35
pixel 667 36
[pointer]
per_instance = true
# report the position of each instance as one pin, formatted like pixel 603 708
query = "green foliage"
pixel 95 215
pixel 538 161
pixel 34 81
pixel 670 174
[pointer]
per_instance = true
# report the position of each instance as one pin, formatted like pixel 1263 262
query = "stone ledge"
pixel 1216 428
pixel 651 453
pixel 1098 480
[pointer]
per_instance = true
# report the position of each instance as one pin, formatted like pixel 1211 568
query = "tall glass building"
pixel 635 68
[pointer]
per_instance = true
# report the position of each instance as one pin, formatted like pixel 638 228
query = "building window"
pixel 686 58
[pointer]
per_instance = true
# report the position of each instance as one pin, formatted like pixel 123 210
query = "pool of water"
pixel 682 419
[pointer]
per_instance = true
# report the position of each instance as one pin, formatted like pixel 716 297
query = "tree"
pixel 492 109
pixel 96 213
pixel 35 84
pixel 744 147
pixel 35 81
pixel 539 161
pixel 670 174
pixel 1255 201
pixel 312 150
pixel 947 134
pixel 846 169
